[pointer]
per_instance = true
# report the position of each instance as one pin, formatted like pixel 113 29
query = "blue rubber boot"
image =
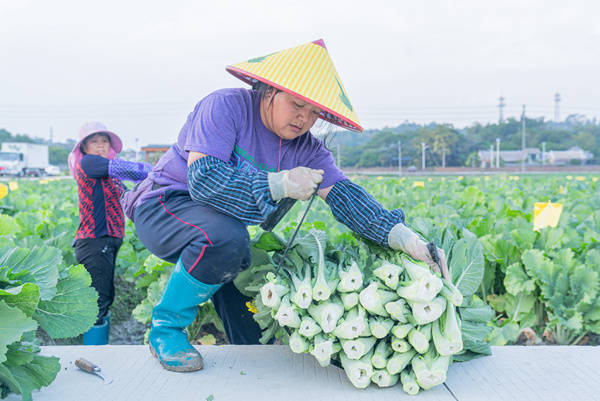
pixel 175 311
pixel 98 334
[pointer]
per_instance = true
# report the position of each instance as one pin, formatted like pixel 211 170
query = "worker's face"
pixel 97 144
pixel 286 115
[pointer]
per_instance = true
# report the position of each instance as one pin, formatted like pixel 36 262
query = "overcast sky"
pixel 140 66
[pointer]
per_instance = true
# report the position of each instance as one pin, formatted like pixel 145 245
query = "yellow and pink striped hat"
pixel 305 71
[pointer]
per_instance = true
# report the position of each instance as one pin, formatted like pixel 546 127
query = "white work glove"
pixel 402 238
pixel 298 183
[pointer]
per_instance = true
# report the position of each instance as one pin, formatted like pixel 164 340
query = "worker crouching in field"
pixel 98 173
pixel 239 152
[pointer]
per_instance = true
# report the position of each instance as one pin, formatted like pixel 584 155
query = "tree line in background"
pixel 459 146
pixel 379 148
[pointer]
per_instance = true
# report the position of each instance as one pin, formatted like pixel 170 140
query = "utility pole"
pixel 399 158
pixel 339 158
pixel 543 153
pixel 444 157
pixel 523 139
pixel 497 152
pixel 491 156
pixel 423 147
pixel 556 107
pixel 500 109
pixel 51 135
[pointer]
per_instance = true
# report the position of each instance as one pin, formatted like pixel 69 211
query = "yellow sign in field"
pixel 546 214
pixel 13 185
pixel 3 191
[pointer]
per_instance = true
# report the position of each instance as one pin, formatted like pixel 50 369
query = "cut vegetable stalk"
pixel 352 325
pixel 324 348
pixel 399 345
pixel 349 299
pixel 373 299
pixel 446 333
pixel 327 314
pixel 419 338
pixel 427 312
pixel 286 314
pixel 430 369
pixel 388 273
pixel 351 279
pixel 302 292
pixel 398 310
pixel 321 290
pixel 398 361
pixel 356 349
pixel 409 382
pixel 381 354
pixel 358 371
pixel 272 292
pixel 401 330
pixel 308 327
pixel 297 343
pixel 383 378
pixel 380 327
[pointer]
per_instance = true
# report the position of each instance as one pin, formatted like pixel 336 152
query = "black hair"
pixel 264 90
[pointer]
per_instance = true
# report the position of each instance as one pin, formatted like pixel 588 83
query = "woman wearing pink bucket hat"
pixel 98 173
pixel 238 154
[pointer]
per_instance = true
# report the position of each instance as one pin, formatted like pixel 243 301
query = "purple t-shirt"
pixel 226 124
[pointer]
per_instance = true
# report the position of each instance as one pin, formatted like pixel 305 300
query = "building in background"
pixel 558 157
pixel 154 152
pixel 510 157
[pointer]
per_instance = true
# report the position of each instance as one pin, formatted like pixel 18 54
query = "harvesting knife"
pixel 89 367
pixel 432 248
pixel 289 244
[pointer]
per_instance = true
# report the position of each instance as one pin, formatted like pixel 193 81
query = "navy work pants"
pixel 98 256
pixel 213 248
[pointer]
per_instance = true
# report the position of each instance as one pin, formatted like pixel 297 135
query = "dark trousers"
pixel 98 256
pixel 213 248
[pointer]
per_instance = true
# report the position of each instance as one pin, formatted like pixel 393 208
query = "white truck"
pixel 19 159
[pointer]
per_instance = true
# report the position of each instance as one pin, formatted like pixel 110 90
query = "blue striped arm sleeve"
pixel 233 192
pixel 354 207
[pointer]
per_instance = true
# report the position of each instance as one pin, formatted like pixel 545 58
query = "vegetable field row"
pixel 546 280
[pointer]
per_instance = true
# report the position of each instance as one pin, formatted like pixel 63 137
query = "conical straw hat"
pixel 305 71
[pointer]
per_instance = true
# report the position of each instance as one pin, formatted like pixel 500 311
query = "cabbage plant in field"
pixel 37 290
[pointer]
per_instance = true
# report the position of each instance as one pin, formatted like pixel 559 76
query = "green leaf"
pixel 466 265
pixel 13 323
pixel 23 379
pixel 551 238
pixel 481 314
pixel 41 264
pixel 73 310
pixel 520 308
pixel 143 311
pixel 269 241
pixel 474 337
pixel 505 334
pixel 8 225
pixel 517 281
pixel 25 297
pixel 18 355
